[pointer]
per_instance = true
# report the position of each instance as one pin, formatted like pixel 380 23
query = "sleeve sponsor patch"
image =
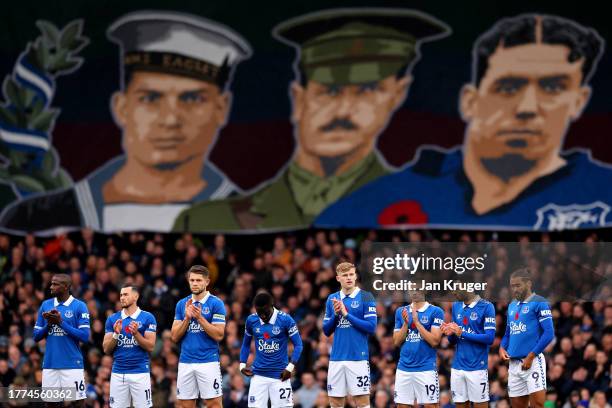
pixel 218 316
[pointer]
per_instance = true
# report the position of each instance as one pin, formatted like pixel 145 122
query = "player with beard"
pixel 271 370
pixel 417 332
pixel 130 337
pixel 529 329
pixel 199 326
pixel 472 330
pixel 64 322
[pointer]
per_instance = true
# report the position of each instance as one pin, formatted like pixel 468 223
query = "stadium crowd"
pixel 298 270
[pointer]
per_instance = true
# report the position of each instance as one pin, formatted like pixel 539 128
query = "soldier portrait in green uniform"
pixel 353 71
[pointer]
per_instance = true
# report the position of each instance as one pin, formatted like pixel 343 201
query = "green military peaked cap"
pixel 358 45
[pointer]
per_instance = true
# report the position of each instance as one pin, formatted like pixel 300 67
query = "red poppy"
pixel 266 335
pixel 403 212
pixel 465 322
pixel 413 326
pixel 516 316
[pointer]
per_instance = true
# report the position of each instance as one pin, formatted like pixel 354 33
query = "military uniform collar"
pixel 312 193
pixel 272 319
pixel 352 295
pixel 133 315
pixel 66 303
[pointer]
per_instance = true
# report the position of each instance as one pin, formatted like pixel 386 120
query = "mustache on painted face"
pixel 339 123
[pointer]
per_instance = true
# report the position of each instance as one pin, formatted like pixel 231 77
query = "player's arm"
pixel 41 328
pixel 401 327
pixel 366 325
pixel 81 332
pixel 146 341
pixel 330 320
pixel 434 336
pixel 489 329
pixel 548 333
pixel 296 340
pixel 216 328
pixel 109 343
pixel 503 346
pixel 111 335
pixel 245 350
pixel 182 318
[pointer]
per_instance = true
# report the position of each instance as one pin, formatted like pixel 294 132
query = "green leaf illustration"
pixel 50 32
pixel 70 32
pixel 44 120
pixel 8 117
pixel 27 183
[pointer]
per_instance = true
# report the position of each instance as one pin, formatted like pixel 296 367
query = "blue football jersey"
pixel 412 196
pixel 524 326
pixel 350 343
pixel 62 351
pixel 196 345
pixel 477 317
pixel 129 357
pixel 416 354
pixel 271 341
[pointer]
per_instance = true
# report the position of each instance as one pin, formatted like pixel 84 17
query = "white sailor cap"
pixel 179 44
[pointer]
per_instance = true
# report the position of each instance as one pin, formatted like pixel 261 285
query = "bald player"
pixel 64 322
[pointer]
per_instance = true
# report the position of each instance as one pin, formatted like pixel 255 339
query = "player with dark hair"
pixel 417 333
pixel 530 81
pixel 64 322
pixel 199 326
pixel 271 369
pixel 472 330
pixel 130 337
pixel 529 329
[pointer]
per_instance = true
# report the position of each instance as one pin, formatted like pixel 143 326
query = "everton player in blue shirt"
pixel 271 368
pixel 529 329
pixel 64 322
pixel 199 326
pixel 350 315
pixel 130 336
pixel 472 330
pixel 417 332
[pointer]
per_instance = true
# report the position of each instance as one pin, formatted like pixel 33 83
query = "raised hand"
pixel 405 316
pixel 189 310
pixel 117 326
pixel 55 317
pixel 415 315
pixel 132 328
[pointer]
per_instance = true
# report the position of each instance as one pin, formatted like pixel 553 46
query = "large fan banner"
pixel 211 119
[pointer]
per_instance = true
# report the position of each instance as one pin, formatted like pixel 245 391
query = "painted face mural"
pixel 337 117
pixel 531 78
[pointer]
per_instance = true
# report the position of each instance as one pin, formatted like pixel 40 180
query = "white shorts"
pixel 68 378
pixel 352 377
pixel 198 380
pixel 524 382
pixel 469 385
pixel 134 388
pixel 420 385
pixel 264 388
